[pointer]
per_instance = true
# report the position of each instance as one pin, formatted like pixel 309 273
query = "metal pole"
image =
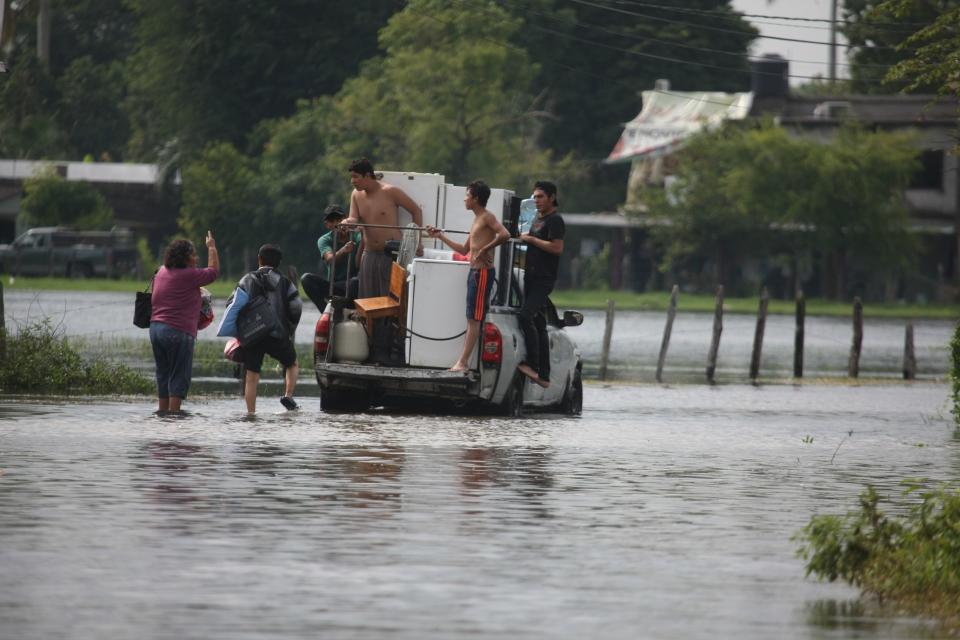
pixel 833 42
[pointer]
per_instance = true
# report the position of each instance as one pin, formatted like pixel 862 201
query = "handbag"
pixel 143 306
pixel 206 309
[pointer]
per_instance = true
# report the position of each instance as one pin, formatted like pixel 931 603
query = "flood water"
pixel 662 512
pixel 105 319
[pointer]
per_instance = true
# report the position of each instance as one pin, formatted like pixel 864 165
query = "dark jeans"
pixel 533 324
pixel 173 354
pixel 317 289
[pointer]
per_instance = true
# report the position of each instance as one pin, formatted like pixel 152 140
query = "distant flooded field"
pixel 102 323
pixel 662 512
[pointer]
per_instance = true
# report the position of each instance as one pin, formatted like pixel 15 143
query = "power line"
pixel 643 38
pixel 701 26
pixel 711 13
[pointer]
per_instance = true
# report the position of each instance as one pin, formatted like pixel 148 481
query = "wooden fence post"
pixel 853 366
pixel 715 340
pixel 607 333
pixel 758 335
pixel 909 357
pixel 798 335
pixel 665 343
pixel 3 328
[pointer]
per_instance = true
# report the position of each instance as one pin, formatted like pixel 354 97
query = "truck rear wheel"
pixel 512 404
pixel 572 403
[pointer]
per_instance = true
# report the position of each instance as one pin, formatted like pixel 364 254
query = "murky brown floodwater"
pixel 664 512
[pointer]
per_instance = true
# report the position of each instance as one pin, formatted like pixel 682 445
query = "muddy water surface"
pixel 663 512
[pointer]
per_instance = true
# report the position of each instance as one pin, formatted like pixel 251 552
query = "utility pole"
pixel 43 32
pixel 833 43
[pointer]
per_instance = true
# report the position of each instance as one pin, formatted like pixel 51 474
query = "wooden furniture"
pixel 392 305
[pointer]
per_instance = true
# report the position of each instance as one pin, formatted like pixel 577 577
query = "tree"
pixel 750 193
pixel 222 193
pixel 210 71
pixel 595 57
pixel 28 124
pixel 51 201
pixel 881 36
pixel 451 95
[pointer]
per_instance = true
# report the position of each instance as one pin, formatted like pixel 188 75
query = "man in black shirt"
pixel 544 245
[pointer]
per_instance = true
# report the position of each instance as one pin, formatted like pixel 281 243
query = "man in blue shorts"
pixel 486 233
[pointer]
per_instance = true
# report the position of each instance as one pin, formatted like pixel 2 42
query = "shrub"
pixel 39 359
pixel 913 560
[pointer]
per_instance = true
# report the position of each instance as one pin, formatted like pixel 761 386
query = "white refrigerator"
pixel 436 308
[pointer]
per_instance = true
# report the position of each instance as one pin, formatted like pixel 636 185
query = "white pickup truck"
pixel 432 331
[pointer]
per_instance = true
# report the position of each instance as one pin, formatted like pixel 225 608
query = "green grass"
pixel 567 299
pixel 220 289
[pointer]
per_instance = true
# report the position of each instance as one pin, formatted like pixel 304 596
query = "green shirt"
pixel 325 244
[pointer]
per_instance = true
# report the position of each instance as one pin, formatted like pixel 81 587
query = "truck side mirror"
pixel 572 318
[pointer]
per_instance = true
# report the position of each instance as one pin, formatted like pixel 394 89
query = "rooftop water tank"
pixel 770 77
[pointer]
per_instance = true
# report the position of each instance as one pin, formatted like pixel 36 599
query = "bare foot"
pixel 528 371
pixel 458 367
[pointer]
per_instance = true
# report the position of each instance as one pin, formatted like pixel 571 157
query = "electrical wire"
pixel 702 26
pixel 642 38
pixel 714 14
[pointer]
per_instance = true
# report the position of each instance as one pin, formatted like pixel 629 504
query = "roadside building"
pixel 136 192
pixel 650 141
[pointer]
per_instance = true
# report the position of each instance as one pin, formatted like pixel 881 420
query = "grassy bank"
pixel 568 299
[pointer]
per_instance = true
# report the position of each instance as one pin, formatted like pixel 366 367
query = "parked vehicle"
pixel 431 338
pixel 61 251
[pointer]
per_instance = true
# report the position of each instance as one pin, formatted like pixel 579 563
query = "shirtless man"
pixel 373 202
pixel 486 233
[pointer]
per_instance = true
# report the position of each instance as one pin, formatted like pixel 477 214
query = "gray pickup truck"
pixel 419 380
pixel 61 251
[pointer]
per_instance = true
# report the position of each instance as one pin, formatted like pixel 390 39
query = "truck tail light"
pixel 492 351
pixel 321 337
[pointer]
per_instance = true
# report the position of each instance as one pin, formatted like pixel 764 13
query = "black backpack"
pixel 258 319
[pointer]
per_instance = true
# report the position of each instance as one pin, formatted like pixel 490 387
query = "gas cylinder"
pixel 350 342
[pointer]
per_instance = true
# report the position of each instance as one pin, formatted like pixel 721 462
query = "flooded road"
pixel 663 512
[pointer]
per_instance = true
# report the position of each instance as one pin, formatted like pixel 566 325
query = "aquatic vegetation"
pixel 40 359
pixel 912 560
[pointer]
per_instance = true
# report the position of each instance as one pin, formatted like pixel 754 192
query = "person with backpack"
pixel 278 306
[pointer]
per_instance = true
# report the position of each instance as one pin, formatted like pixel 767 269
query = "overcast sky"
pixel 805 59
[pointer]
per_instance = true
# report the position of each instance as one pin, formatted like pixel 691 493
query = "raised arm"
pixel 213 258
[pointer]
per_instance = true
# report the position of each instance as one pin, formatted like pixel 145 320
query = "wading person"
pixel 338 262
pixel 544 246
pixel 486 233
pixel 375 203
pixel 285 301
pixel 174 316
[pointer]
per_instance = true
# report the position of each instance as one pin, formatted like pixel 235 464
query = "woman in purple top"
pixel 176 311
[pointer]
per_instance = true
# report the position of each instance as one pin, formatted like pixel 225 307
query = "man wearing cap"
pixel 339 261
pixel 544 246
